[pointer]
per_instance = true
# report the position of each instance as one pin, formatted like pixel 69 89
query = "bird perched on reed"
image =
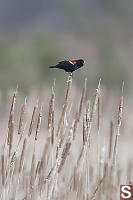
pixel 69 65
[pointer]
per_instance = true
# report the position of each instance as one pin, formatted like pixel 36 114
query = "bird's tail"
pixel 52 66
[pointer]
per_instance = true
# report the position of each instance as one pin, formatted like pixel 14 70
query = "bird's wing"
pixel 63 62
pixel 73 62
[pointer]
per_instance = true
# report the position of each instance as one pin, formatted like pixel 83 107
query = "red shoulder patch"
pixel 74 62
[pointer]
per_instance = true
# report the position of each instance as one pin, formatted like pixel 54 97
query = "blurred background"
pixel 36 34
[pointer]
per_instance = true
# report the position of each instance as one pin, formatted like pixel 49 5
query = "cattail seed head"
pixel 33 119
pixel 22 116
pixel 22 155
pixel 38 123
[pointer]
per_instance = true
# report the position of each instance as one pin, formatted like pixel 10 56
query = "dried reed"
pixel 120 111
pixel 99 110
pixel 44 155
pixel 33 119
pixel 64 156
pixel 22 116
pixel 32 171
pixel 22 156
pixel 65 107
pixel 11 123
pixel 84 131
pixel 94 106
pixel 75 179
pixel 89 119
pixel 3 169
pixel 52 126
pixel 38 123
pixel 78 115
pixel 48 175
pixel 111 140
pixel 51 109
pixel 51 116
pixel 37 168
pixel 98 186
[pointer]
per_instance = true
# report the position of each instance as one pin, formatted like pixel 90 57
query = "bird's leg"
pixel 70 75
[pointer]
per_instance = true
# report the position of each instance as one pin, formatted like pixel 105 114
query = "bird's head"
pixel 80 62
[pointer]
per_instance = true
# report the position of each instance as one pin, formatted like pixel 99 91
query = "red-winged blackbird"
pixel 69 65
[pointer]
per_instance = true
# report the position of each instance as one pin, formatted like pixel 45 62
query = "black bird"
pixel 69 65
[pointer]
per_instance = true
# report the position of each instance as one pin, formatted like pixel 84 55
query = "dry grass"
pixel 82 161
